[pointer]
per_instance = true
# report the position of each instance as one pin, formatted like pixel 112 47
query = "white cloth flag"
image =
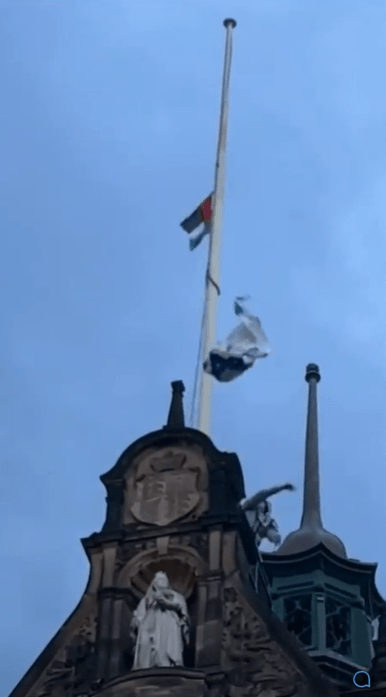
pixel 243 346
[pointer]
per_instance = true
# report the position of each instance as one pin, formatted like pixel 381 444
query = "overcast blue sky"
pixel 108 127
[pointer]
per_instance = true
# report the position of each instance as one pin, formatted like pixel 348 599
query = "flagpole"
pixel 212 278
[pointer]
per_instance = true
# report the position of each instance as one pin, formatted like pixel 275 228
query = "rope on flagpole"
pixel 193 406
pixel 210 280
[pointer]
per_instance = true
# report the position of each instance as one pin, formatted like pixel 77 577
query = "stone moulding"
pixel 158 682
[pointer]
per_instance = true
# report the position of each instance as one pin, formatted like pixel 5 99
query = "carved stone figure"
pixel 258 511
pixel 160 625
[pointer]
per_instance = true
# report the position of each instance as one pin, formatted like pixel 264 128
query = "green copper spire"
pixel 311 531
pixel 312 517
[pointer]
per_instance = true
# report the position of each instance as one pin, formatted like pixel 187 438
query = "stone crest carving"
pixel 72 670
pixel 165 490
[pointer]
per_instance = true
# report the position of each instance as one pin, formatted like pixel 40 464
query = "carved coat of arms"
pixel 166 490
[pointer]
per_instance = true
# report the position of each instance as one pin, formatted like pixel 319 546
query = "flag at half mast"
pixel 201 401
pixel 202 215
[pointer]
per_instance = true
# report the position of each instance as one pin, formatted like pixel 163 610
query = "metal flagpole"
pixel 212 279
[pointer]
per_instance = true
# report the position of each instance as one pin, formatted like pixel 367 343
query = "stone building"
pixel 294 623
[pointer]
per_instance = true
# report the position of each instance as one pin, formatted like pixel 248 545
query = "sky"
pixel 108 127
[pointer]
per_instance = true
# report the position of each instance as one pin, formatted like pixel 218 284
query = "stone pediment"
pixel 171 475
pixel 173 508
pixel 165 438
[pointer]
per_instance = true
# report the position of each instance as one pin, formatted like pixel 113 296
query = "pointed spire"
pixel 176 417
pixel 311 531
pixel 311 497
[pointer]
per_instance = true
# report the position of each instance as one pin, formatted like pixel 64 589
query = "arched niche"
pixel 181 564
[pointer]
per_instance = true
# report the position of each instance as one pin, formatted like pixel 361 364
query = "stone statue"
pixel 160 626
pixel 258 511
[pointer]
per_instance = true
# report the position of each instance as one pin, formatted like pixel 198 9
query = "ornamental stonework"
pixel 257 664
pixel 166 487
pixel 72 670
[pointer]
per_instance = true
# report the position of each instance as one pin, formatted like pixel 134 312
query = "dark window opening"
pixel 338 631
pixel 298 617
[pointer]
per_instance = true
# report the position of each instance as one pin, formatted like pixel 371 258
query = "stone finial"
pixel 229 23
pixel 176 417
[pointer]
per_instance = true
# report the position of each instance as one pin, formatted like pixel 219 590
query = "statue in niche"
pixel 258 511
pixel 160 626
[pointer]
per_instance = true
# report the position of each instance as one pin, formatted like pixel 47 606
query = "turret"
pixel 326 599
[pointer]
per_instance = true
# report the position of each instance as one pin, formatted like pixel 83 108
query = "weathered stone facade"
pixel 173 505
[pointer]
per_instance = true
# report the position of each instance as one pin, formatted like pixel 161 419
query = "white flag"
pixel 243 346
